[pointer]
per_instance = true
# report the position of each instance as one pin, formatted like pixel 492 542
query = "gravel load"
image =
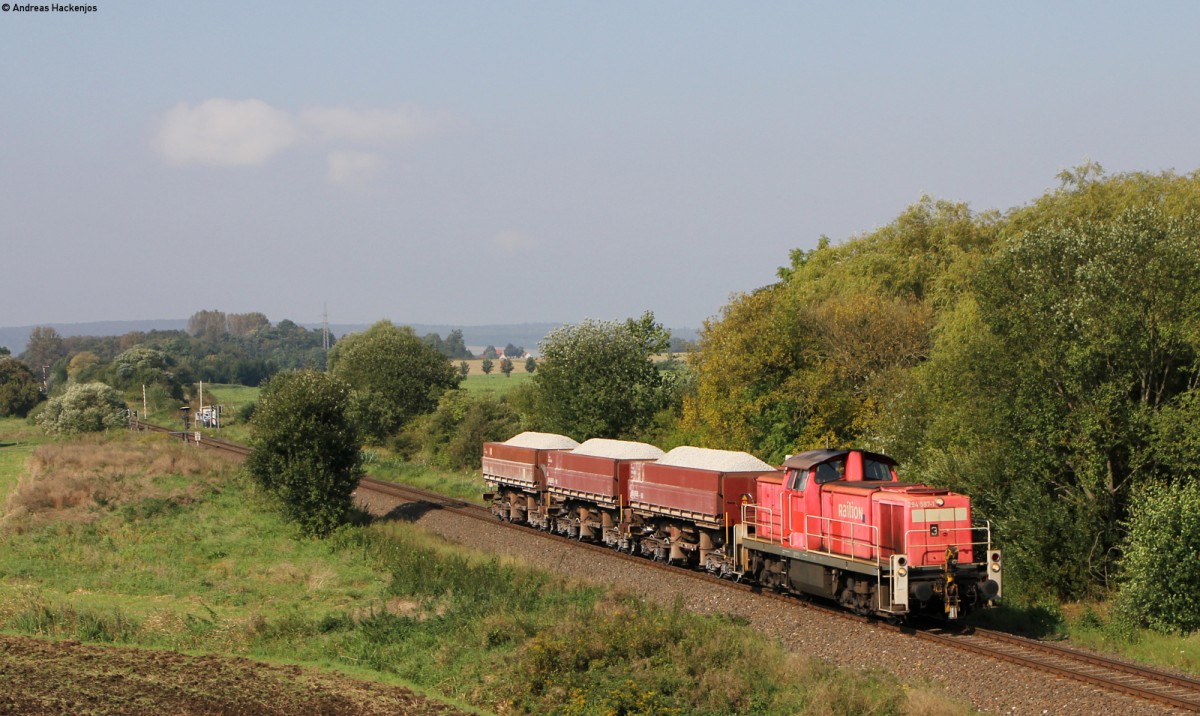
pixel 716 460
pixel 618 449
pixel 542 441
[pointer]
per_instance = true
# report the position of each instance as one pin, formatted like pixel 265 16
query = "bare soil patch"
pixel 45 677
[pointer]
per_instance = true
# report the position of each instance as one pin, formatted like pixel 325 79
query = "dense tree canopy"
pixel 20 390
pixel 1045 360
pixel 597 378
pixel 306 449
pixel 395 376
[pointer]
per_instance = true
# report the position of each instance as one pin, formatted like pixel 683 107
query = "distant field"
pixel 231 397
pixel 496 383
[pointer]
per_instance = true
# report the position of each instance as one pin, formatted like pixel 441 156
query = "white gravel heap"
pixel 542 441
pixel 618 449
pixel 716 460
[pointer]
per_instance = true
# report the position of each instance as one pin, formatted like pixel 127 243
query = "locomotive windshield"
pixel 875 470
pixel 830 471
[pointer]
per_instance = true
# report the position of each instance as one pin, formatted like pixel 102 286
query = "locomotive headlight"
pixel 995 566
pixel 902 572
pixel 939 502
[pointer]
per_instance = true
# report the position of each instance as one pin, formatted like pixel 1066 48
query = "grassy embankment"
pixel 136 540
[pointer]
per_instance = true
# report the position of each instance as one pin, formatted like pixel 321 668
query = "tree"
pixel 209 324
pixel 506 367
pixel 464 368
pixel 20 389
pixel 530 364
pixel 453 435
pixel 1094 323
pixel 511 351
pixel 306 449
pixel 487 366
pixel 395 376
pixel 45 348
pixel 455 346
pixel 4 351
pixel 596 378
pixel 84 408
pixel 490 352
pixel 142 365
pixel 243 324
pixel 435 342
pixel 81 365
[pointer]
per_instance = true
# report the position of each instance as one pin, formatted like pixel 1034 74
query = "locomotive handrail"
pixel 825 539
pixel 749 509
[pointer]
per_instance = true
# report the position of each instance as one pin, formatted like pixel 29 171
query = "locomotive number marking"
pixel 933 530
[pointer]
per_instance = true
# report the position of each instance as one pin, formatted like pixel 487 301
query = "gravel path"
pixel 988 685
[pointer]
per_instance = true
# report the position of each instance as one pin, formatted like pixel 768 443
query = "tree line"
pixel 1044 360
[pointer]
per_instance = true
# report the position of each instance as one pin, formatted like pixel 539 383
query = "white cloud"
pixel 348 167
pixel 512 242
pixel 369 126
pixel 225 132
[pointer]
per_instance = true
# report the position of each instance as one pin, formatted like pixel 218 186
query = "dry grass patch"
pixel 78 482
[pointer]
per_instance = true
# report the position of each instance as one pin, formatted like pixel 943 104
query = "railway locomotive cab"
pixel 840 524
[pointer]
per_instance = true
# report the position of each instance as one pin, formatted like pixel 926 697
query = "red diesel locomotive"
pixel 831 523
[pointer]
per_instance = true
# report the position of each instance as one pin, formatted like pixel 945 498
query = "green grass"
pixel 496 383
pixel 17 440
pixel 223 573
pixel 230 396
pixel 464 484
pixel 1090 626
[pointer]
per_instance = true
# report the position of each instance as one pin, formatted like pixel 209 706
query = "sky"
pixel 469 163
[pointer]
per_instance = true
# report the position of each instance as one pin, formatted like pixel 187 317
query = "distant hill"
pixel 519 334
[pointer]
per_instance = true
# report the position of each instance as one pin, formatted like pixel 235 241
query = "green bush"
pixel 1160 568
pixel 19 389
pixel 86 408
pixel 453 435
pixel 306 450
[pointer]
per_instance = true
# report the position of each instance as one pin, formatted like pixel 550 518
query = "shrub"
pixel 306 450
pixel 90 407
pixel 454 434
pixel 1160 568
pixel 19 389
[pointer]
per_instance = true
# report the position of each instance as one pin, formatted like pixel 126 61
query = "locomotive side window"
pixel 797 479
pixel 830 471
pixel 875 470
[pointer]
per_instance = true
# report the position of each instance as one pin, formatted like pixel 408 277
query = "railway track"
pixel 196 438
pixel 1171 690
